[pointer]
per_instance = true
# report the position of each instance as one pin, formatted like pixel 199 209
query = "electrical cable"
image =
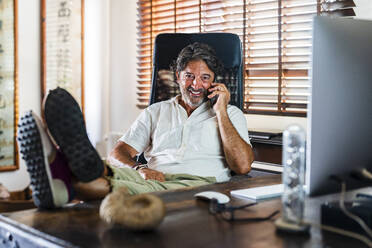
pixel 362 238
pixel 343 232
pixel 351 215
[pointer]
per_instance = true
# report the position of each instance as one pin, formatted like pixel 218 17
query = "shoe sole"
pixel 66 125
pixel 31 148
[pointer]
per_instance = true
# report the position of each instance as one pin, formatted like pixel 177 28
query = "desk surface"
pixel 187 224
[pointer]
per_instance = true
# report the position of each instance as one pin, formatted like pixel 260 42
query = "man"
pixel 186 141
pixel 185 134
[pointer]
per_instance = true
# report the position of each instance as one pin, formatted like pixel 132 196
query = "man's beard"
pixel 193 102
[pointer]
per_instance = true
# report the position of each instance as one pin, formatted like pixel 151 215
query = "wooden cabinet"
pixel 267 148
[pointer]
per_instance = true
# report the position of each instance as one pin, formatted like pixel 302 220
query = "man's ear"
pixel 177 77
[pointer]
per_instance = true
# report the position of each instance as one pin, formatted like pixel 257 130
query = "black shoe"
pixel 49 173
pixel 66 125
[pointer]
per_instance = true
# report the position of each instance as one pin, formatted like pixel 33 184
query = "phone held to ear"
pixel 213 100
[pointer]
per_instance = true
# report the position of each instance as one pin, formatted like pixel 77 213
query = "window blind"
pixel 276 39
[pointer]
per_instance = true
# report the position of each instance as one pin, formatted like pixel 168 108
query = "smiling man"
pixel 188 134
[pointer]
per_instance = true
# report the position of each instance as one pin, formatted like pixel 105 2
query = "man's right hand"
pixel 152 174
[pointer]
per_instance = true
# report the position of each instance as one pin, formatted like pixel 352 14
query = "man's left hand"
pixel 220 90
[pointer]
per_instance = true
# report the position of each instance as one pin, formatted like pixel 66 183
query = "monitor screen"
pixel 340 109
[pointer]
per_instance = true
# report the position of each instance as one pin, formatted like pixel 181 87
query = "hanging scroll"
pixel 8 85
pixel 62 45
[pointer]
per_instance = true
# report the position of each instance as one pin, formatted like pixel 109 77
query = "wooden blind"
pixel 276 38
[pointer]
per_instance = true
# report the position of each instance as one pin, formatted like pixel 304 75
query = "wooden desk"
pixel 187 224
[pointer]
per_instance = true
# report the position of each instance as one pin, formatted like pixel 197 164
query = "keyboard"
pixel 259 193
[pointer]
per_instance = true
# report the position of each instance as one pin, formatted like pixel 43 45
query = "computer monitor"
pixel 340 109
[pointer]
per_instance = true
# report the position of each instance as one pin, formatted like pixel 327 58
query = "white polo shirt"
pixel 174 143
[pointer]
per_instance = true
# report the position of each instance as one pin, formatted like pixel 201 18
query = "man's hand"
pixel 223 94
pixel 152 174
pixel 238 154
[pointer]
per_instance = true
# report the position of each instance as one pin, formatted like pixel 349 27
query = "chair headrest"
pixel 227 47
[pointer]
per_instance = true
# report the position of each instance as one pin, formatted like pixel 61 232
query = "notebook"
pixel 259 193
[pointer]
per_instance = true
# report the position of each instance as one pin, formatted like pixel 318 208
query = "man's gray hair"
pixel 198 51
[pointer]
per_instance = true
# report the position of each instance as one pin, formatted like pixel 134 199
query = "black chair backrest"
pixel 167 47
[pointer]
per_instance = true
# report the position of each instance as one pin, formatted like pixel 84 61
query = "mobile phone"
pixel 213 100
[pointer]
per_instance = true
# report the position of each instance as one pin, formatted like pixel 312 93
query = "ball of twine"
pixel 138 212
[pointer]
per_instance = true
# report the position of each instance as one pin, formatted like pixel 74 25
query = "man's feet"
pixel 66 125
pixel 50 176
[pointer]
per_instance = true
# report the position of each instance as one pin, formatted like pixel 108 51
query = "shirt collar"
pixel 202 108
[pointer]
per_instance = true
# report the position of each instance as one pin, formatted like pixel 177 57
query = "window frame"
pixel 170 16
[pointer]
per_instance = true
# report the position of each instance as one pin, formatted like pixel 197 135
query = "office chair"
pixel 167 47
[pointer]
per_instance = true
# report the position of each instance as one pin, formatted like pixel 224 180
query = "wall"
pixel 97 68
pixel 363 9
pixel 112 55
pixel 123 64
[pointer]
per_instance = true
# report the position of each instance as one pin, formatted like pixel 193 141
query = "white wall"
pixel 123 64
pixel 110 43
pixel 97 66
pixel 363 9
